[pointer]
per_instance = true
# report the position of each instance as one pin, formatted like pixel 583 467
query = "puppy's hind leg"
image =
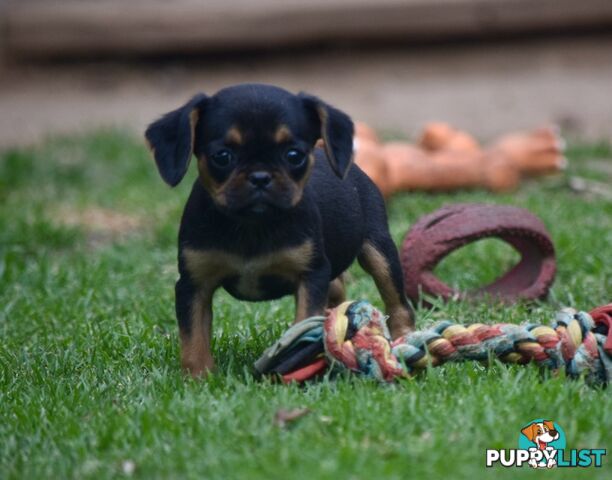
pixel 380 259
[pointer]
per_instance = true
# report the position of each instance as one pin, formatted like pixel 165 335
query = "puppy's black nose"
pixel 553 433
pixel 260 179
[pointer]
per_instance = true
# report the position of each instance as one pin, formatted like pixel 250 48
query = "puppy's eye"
pixel 295 157
pixel 222 158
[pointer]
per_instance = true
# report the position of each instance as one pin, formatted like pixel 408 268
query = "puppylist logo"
pixel 542 444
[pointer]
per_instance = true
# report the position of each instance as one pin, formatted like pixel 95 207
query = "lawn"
pixel 90 385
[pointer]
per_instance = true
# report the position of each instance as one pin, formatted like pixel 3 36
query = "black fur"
pixel 171 139
pixel 330 203
pixel 337 130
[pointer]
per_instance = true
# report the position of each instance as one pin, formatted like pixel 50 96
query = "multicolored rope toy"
pixel 354 337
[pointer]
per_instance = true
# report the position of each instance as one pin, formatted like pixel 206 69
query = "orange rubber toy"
pixel 447 159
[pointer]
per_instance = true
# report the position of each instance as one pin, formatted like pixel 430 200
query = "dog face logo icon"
pixel 540 434
pixel 542 444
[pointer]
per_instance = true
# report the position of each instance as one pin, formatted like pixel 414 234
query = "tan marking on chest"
pixel 208 268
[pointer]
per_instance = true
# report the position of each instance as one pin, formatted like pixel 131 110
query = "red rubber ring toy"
pixel 438 234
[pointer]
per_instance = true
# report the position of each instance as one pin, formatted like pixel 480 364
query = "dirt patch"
pixel 101 225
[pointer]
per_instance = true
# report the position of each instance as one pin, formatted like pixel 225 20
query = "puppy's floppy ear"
pixel 336 130
pixel 530 431
pixel 171 139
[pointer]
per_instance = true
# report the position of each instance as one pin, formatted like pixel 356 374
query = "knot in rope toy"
pixel 354 337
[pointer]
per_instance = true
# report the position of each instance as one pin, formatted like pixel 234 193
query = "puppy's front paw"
pixel 400 322
pixel 199 368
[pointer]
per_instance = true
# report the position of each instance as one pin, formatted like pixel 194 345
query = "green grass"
pixel 89 375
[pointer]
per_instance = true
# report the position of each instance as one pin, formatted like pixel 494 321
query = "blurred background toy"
pixel 445 158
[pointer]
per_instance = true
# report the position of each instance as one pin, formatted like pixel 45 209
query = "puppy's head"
pixel 253 145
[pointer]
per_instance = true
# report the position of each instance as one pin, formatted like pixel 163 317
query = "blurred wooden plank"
pixel 78 28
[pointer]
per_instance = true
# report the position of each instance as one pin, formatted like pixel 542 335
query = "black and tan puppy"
pixel 271 215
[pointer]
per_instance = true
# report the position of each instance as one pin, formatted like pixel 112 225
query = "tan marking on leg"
pixel 282 134
pixel 400 320
pixel 234 135
pixel 196 356
pixel 337 293
pixel 301 303
pixel 376 265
